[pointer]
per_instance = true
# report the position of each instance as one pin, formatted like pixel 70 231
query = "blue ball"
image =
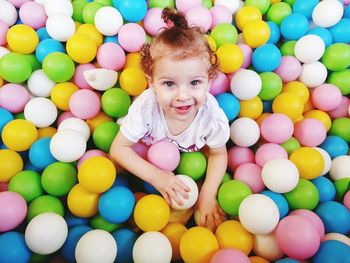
pixel 125 239
pixel 322 33
pixel 335 146
pixel 294 26
pixel 304 7
pixel 332 251
pixel 132 10
pixel 325 188
pixel 43 34
pixel 13 248
pixel 266 58
pixel 117 204
pixel 75 220
pixel 335 217
pixel 150 189
pixel 347 12
pixel 275 32
pixel 5 117
pixel 287 260
pixel 341 31
pixel 29 166
pixel 48 46
pixel 113 39
pixel 40 154
pixel 74 234
pixel 280 202
pixel 120 181
pixel 229 104
pixel 267 106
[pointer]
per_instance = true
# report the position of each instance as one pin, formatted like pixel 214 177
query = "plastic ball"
pixel 153 23
pixel 277 12
pixel 43 204
pixel 304 8
pixel 298 88
pixel 327 13
pixel 48 46
pixel 131 37
pixel 84 104
pixel 332 250
pixel 244 132
pixel 133 11
pixel 271 85
pixel 58 66
pixel 27 184
pixel 82 202
pixel 340 31
pixel 287 48
pixel 75 124
pixel 133 81
pixel 309 48
pixel 108 20
pixel 269 151
pixel 229 104
pixel 91 31
pixel 289 69
pixel 228 255
pixel 325 188
pixel 111 56
pixel 125 239
pixel 13 248
pixel 39 84
pixel 224 33
pixel 252 108
pixel 13 210
pixel 288 104
pixel 81 48
pixel 62 7
pixel 303 196
pixel 280 202
pixel 337 237
pixel 247 54
pixel 342 110
pixel 247 14
pixel 22 39
pixel 39 153
pixel 40 111
pixel 219 84
pixel 311 168
pixel 11 163
pixel 310 132
pixel 14 67
pixel 256 33
pixel 104 135
pixel 199 16
pixel 230 57
pixel 174 232
pixel 192 164
pixel 220 14
pixel 116 102
pixel 90 153
pixel 266 57
pixel 323 33
pixel 8 13
pixel 193 193
pixel 313 218
pixel 242 79
pixel 340 167
pixel 13 97
pixel 276 128
pixel 294 26
pixel 339 128
pixel 60 27
pixel 79 78
pixel 27 11
pixel 266 247
pixel 335 146
pixel 164 154
pixel 336 57
pixel 161 3
pixel 263 5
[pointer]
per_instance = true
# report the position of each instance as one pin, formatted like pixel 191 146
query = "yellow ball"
pixel 230 57
pixel 61 93
pixel 133 81
pixel 10 164
pixel 97 174
pixel 133 60
pixel 211 42
pixel 46 132
pixel 91 31
pixel 257 259
pixel 198 244
pixel 174 232
pixel 98 119
pixel 82 202
pixel 81 48
pixel 19 135
pixel 274 1
pixel 288 104
pixel 309 162
pixel 256 33
pixel 321 116
pixel 151 213
pixel 22 39
pixel 252 108
pixel 231 234
pixel 1 82
pixel 297 88
pixel 247 14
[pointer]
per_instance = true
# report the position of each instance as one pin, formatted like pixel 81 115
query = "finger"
pixel 177 188
pixel 211 222
pixel 183 185
pixel 221 211
pixel 219 218
pixel 166 197
pixel 174 196
pixel 202 219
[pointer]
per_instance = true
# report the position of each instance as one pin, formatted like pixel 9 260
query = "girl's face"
pixel 181 86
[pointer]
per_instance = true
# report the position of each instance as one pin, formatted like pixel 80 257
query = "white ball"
pixel 60 27
pixel 340 167
pixel 244 132
pixel 41 111
pixel 8 13
pixel 193 193
pixel 266 246
pixel 41 2
pixel 39 84
pixel 246 84
pixel 313 74
pixel 67 145
pixel 152 247
pixel 327 13
pixel 309 48
pixel 280 175
pixel 108 20
pixel 232 5
pixel 46 233
pixel 96 246
pixel 63 7
pixel 327 160
pixel 75 124
pixel 258 214
pixel 3 51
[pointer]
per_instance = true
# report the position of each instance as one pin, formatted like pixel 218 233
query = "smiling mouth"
pixel 183 109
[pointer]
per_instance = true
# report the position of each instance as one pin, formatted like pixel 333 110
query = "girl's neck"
pixel 177 127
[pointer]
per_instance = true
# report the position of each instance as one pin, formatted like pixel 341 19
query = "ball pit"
pixel 69 71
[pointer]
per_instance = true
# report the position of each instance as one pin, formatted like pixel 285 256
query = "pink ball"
pixel 229 255
pixel 346 200
pixel 63 116
pixel 110 56
pixel 153 22
pixel 313 218
pixel 310 132
pixel 277 128
pixel 341 110
pixel 33 15
pixel 297 237
pixel 199 16
pixel 131 37
pixel 269 151
pixel 220 14
pixel 3 32
pixel 326 97
pixel 79 79
pixel 164 154
pixel 84 104
pixel 3 187
pixel 247 54
pixel 13 97
pixel 250 173
pixel 18 3
pixel 289 68
pixel 220 84
pixel 239 155
pixel 13 210
pixel 184 5
pixel 141 149
pixel 89 154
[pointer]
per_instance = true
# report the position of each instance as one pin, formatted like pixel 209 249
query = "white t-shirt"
pixel 145 121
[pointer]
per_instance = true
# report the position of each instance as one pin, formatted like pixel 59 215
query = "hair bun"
pixel 173 18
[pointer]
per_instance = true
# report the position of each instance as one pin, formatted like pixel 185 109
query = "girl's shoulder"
pixel 145 101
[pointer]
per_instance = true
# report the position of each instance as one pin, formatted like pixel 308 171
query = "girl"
pixel 177 106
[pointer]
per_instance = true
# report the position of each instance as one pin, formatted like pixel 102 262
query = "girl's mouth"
pixel 183 109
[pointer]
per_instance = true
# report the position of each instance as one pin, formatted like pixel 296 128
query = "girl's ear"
pixel 149 81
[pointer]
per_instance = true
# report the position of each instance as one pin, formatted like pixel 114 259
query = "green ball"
pixel 336 57
pixel 231 194
pixel 192 164
pixel 78 6
pixel 105 2
pixel 58 178
pixel 224 33
pixel 341 79
pixel 58 66
pixel 207 3
pixel 161 3
pixel 45 203
pixel 37 258
pixel 289 2
pixel 303 196
pixel 287 48
pixel 342 186
pixel 27 184
pixel 89 12
pixel 271 85
pixel 227 177
pixel 291 145
pixel 278 12
pixel 98 222
pixel 263 5
pixel 104 135
pixel 341 128
pixel 19 115
pixel 34 62
pixel 15 68
pixel 115 102
pixel 148 39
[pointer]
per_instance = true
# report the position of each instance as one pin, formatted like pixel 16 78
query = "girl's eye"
pixel 168 84
pixel 195 82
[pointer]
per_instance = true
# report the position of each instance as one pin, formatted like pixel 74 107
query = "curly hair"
pixel 178 41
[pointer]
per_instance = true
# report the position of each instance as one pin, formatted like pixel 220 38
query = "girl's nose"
pixel 183 93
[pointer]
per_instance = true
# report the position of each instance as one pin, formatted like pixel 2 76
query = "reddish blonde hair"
pixel 179 41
